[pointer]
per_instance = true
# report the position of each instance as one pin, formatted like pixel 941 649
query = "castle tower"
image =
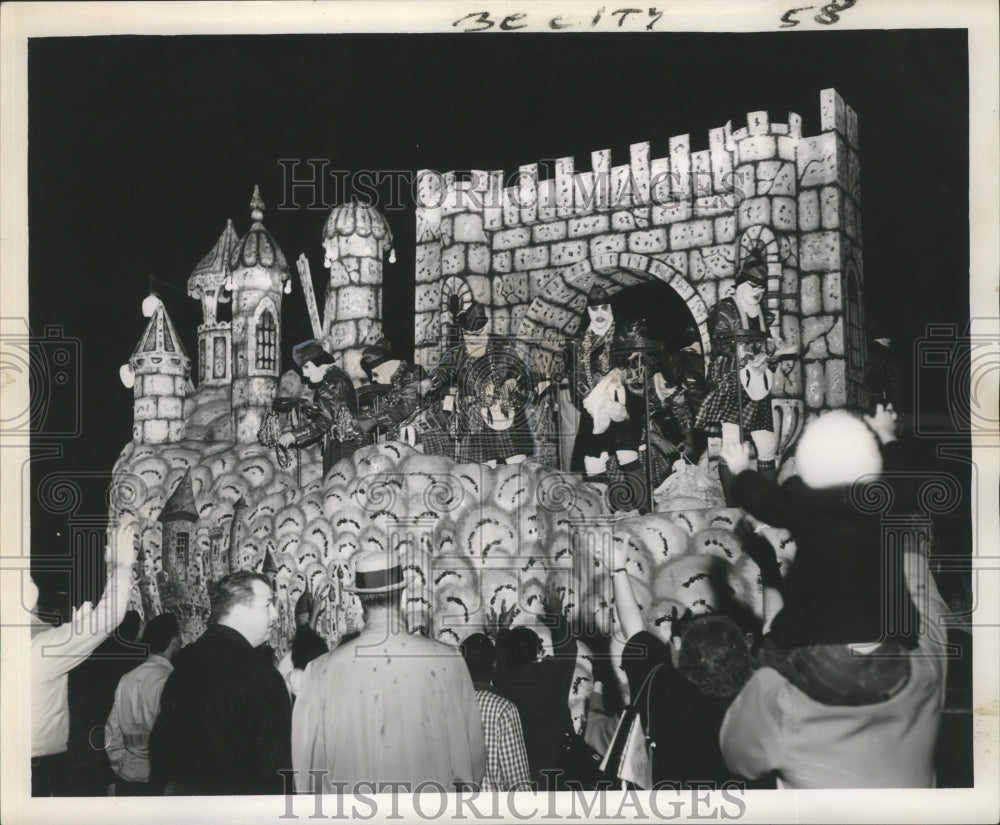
pixel 144 582
pixel 258 275
pixel 354 239
pixel 208 283
pixel 233 554
pixel 175 582
pixel 161 369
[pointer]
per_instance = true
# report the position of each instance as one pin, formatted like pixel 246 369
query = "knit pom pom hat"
pixel 836 450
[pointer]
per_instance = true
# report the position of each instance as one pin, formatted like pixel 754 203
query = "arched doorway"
pixel 639 287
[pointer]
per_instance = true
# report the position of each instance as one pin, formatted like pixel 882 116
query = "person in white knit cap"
pixel 847 680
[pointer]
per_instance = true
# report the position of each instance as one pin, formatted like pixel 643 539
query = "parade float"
pixel 210 498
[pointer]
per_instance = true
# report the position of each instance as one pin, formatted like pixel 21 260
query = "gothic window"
pixel 267 341
pixel 852 319
pixel 181 553
pixel 220 358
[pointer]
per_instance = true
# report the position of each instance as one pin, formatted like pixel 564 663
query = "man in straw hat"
pixel 388 706
pixel 330 417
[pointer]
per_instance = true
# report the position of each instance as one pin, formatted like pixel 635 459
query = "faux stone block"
pixel 428 262
pixel 691 234
pixel 742 184
pixel 427 297
pixel 758 123
pixel 606 243
pixel 453 259
pixel 680 166
pixel 815 389
pixel 648 241
pixel 588 225
pixel 469 228
pixel 513 237
pixel 708 206
pixel 478 258
pixel 181 388
pixel 425 329
pixel 546 201
pixel 370 271
pixel 671 212
pixel 502 261
pixel 832 298
pixel 814 332
pixel 819 251
pixel 835 337
pixel 356 302
pixel 759 147
pixel 169 408
pixel 155 431
pixel 568 252
pixel 783 215
pixel 500 321
pixel 808 210
pixel 697 271
pixel 144 408
pixel 342 334
pixel 829 207
pixel 708 291
pixel 677 261
pixel 158 385
pixel 548 232
pixel 836 393
pixel 640 169
pixel 786 148
pixel 810 300
pixel 480 287
pixel 816 160
pixel 516 286
pixel 175 431
pixel 531 257
pixel 791 329
pixel 622 221
pixel 754 211
pixel 719 261
pixel 725 229
pixel 790 281
pixel 339 276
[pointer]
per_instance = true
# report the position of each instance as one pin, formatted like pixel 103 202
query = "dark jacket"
pixel 844 587
pixel 540 691
pixel 225 721
pixel 685 722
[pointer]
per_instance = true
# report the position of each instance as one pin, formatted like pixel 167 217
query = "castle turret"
pixel 208 283
pixel 258 275
pixel 233 553
pixel 355 238
pixel 181 591
pixel 161 370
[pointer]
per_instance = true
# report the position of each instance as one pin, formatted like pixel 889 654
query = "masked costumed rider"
pixel 740 373
pixel 611 418
pixel 331 415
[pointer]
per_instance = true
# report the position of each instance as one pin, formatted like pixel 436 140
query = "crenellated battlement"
pixel 530 195
pixel 528 243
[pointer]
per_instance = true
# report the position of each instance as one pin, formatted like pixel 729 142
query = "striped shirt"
pixel 506 758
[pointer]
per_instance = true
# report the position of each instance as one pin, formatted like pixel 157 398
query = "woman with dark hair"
pixel 690 691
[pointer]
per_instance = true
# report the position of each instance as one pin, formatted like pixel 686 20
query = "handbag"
pixel 630 757
pixel 579 763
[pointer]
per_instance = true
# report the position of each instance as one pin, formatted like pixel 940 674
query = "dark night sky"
pixel 140 148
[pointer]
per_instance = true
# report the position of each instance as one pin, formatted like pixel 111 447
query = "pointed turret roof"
pixel 213 269
pixel 181 505
pixel 160 336
pixel 257 247
pixel 268 566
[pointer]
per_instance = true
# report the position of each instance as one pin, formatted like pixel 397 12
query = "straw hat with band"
pixel 376 571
